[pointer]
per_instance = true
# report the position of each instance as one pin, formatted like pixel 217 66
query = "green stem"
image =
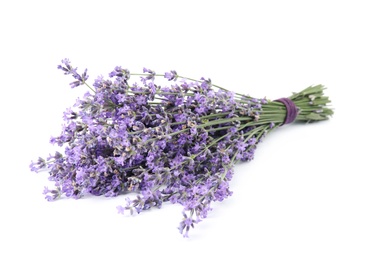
pixel 89 87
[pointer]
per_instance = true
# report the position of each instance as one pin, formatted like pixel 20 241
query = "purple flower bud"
pixel 172 75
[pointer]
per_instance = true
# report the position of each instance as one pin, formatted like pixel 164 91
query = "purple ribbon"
pixel 291 110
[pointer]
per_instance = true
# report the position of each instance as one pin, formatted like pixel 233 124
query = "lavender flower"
pixel 151 74
pixel 51 195
pixel 68 69
pixel 175 143
pixel 38 165
pixel 172 75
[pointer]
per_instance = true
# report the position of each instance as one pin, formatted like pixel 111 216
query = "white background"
pixel 305 196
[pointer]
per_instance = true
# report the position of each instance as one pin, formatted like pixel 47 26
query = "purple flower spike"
pixel 39 165
pixel 172 75
pixel 69 70
pixel 51 195
pixel 151 74
pixel 66 67
pixel 120 73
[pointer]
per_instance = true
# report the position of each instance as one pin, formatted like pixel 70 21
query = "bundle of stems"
pixel 176 142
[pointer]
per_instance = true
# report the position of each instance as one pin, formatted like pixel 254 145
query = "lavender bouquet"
pixel 165 138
